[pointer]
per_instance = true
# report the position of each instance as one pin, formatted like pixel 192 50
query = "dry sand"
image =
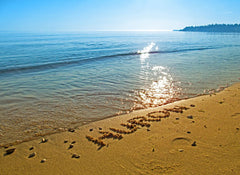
pixel 205 139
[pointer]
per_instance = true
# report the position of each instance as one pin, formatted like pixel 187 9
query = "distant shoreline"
pixel 230 28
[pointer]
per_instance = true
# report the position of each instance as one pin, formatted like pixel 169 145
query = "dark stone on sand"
pixel 205 126
pixel 153 150
pixel 73 142
pixel 237 129
pixel 180 150
pixel 71 130
pixel 177 118
pixel 70 146
pixel 193 121
pixel 100 128
pixel 44 140
pixel 189 132
pixel 192 105
pixel 190 117
pixel 75 156
pixel 10 151
pixel 65 141
pixel 31 148
pixel 194 143
pixel 148 129
pixel 91 129
pixel 32 155
pixel 43 160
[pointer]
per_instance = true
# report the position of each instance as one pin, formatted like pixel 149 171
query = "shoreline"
pixel 87 122
pixel 205 134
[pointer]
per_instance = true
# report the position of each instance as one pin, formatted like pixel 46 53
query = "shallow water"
pixel 52 81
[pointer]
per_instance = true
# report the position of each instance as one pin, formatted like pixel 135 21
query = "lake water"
pixel 49 82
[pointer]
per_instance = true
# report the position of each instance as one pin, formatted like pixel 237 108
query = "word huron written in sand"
pixel 133 123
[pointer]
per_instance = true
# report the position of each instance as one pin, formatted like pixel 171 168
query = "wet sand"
pixel 195 136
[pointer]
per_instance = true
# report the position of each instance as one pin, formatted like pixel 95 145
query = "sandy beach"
pixel 194 136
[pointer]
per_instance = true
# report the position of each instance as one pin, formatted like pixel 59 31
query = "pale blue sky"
pixel 95 15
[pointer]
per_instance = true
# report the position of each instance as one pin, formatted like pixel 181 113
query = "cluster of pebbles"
pixel 131 126
pixel 33 154
pixel 134 124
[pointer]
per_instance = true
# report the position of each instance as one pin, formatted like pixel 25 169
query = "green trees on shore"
pixel 213 28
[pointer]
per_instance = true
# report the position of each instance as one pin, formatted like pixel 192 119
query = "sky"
pixel 114 15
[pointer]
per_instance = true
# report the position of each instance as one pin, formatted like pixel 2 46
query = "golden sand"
pixel 195 136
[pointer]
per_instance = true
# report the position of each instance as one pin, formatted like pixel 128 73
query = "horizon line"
pixel 62 31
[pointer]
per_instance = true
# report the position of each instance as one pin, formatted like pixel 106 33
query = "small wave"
pixel 82 61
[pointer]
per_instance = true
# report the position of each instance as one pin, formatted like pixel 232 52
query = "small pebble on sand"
pixel 31 148
pixel 70 146
pixel 190 117
pixel 32 155
pixel 65 141
pixel 73 142
pixel 177 118
pixel 71 130
pixel 189 132
pixel 43 160
pixel 180 150
pixel 192 105
pixel 44 140
pixel 10 151
pixel 75 156
pixel 100 128
pixel 91 129
pixel 194 143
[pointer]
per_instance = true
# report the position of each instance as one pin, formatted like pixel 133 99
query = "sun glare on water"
pixel 144 53
pixel 161 89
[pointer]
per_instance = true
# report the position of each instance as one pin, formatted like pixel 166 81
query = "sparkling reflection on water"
pixel 161 90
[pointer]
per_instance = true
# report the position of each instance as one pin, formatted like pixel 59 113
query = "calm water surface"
pixel 52 81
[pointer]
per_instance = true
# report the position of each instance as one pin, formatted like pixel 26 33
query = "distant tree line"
pixel 213 28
